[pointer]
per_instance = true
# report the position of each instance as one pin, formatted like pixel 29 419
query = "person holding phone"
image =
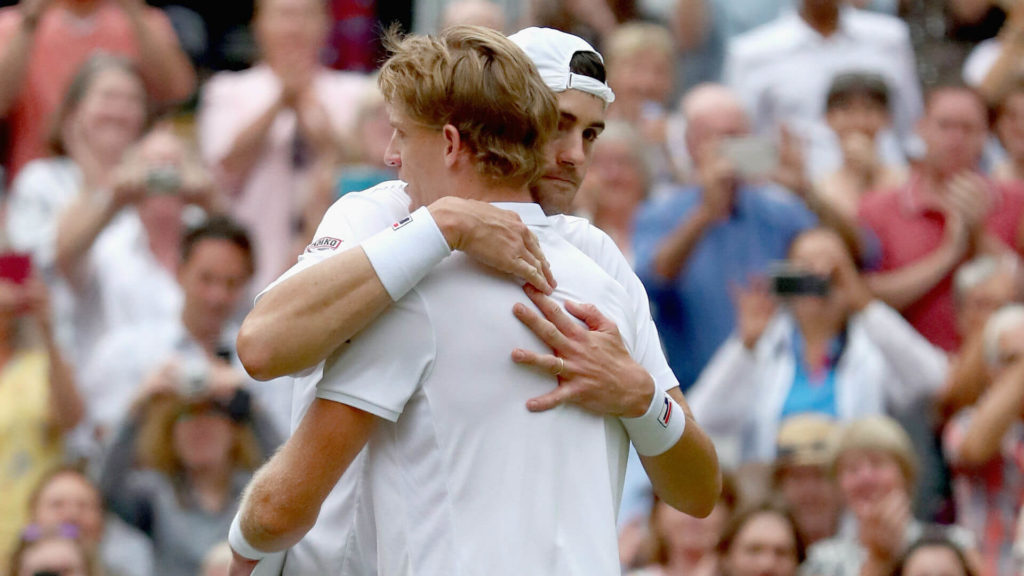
pixel 830 348
pixel 39 400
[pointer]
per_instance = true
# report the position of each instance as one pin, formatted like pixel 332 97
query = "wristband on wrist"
pixel 659 428
pixel 238 542
pixel 405 253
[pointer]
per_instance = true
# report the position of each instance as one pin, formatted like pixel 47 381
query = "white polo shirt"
pixel 464 480
pixel 356 216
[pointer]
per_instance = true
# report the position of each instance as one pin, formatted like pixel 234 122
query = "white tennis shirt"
pixel 333 545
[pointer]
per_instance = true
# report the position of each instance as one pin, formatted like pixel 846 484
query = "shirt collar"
pixel 530 213
pixel 803 33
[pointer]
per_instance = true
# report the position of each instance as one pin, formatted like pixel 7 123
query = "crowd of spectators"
pixel 823 198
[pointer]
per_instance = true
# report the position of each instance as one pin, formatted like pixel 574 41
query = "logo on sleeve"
pixel 666 413
pixel 323 244
pixel 401 223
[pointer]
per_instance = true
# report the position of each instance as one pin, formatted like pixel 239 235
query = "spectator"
pixel 801 477
pixel 761 540
pixel 984 444
pixel 432 16
pixel 263 129
pixel 682 545
pixel 1008 126
pixel 638 57
pixel 945 214
pixel 933 555
pixel 216 264
pixel 832 350
pixel 783 69
pixel 38 400
pixel 857 111
pixel 692 246
pixel 119 250
pixel 66 497
pixel 44 42
pixel 197 449
pixel 616 184
pixel 101 117
pixel 994 66
pixel 51 551
pixel 980 287
pixel 876 469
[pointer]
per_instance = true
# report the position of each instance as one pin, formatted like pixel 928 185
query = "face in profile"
pixel 765 546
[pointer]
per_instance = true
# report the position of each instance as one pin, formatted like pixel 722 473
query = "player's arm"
pixel 597 373
pixel 299 322
pixel 283 500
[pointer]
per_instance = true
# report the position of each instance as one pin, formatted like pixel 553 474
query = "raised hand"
pixel 755 308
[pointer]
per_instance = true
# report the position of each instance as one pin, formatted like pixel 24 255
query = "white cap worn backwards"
pixel 551 51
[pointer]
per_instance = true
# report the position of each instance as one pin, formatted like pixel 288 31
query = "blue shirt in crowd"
pixel 694 312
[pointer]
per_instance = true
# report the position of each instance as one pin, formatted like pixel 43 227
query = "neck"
pixel 206 333
pixel 81 7
pixel 822 17
pixel 492 192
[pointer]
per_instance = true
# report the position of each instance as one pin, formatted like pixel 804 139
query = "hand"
pixel 240 565
pixel 717 179
pixel 162 381
pixel 968 194
pixel 755 308
pixel 223 379
pixel 883 524
pixel 198 187
pixel 791 172
pixel 128 182
pixel 315 124
pixel 494 237
pixel 594 369
pixel 12 299
pixel 847 280
pixel 296 79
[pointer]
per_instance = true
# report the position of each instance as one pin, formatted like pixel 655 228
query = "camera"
pixel 792 281
pixel 193 375
pixel 163 179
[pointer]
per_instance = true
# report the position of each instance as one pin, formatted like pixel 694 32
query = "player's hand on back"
pixel 594 369
pixel 494 237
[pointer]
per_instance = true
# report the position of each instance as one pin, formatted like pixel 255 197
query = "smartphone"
pixel 790 281
pixel 15 267
pixel 754 157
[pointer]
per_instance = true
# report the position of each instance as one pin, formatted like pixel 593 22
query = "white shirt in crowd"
pixel 783 70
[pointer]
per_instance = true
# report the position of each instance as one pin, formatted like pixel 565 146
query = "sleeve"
pixel 126 490
pixel 980 61
pixel 31 216
pixel 725 394
pixel 920 368
pixel 647 350
pixel 349 221
pixel 379 370
pixel 654 222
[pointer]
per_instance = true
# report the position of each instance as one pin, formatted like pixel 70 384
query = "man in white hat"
pixel 302 318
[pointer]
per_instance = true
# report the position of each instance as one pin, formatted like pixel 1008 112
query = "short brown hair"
pixel 480 82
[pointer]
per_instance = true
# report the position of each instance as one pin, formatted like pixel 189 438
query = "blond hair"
pixel 633 38
pixel 480 82
pixel 882 433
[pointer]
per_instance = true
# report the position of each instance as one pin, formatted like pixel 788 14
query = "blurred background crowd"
pixel 823 198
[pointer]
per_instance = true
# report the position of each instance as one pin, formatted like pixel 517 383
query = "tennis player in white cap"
pixel 333 293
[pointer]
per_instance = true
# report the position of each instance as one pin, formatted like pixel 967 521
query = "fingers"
pixel 533 246
pixel 553 312
pixel 540 326
pixel 532 271
pixel 592 317
pixel 553 399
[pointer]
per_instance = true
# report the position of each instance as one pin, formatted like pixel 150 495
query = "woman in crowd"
pixel 760 540
pixel 67 497
pixel 933 555
pixel 47 551
pixel 38 400
pixel 195 444
pixel 832 349
pixel 875 467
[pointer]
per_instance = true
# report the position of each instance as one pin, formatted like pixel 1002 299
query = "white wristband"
pixel 405 253
pixel 238 542
pixel 659 428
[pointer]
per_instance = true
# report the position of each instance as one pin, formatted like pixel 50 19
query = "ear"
pixel 452 145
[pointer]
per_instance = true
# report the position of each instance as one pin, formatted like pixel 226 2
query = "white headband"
pixel 551 51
